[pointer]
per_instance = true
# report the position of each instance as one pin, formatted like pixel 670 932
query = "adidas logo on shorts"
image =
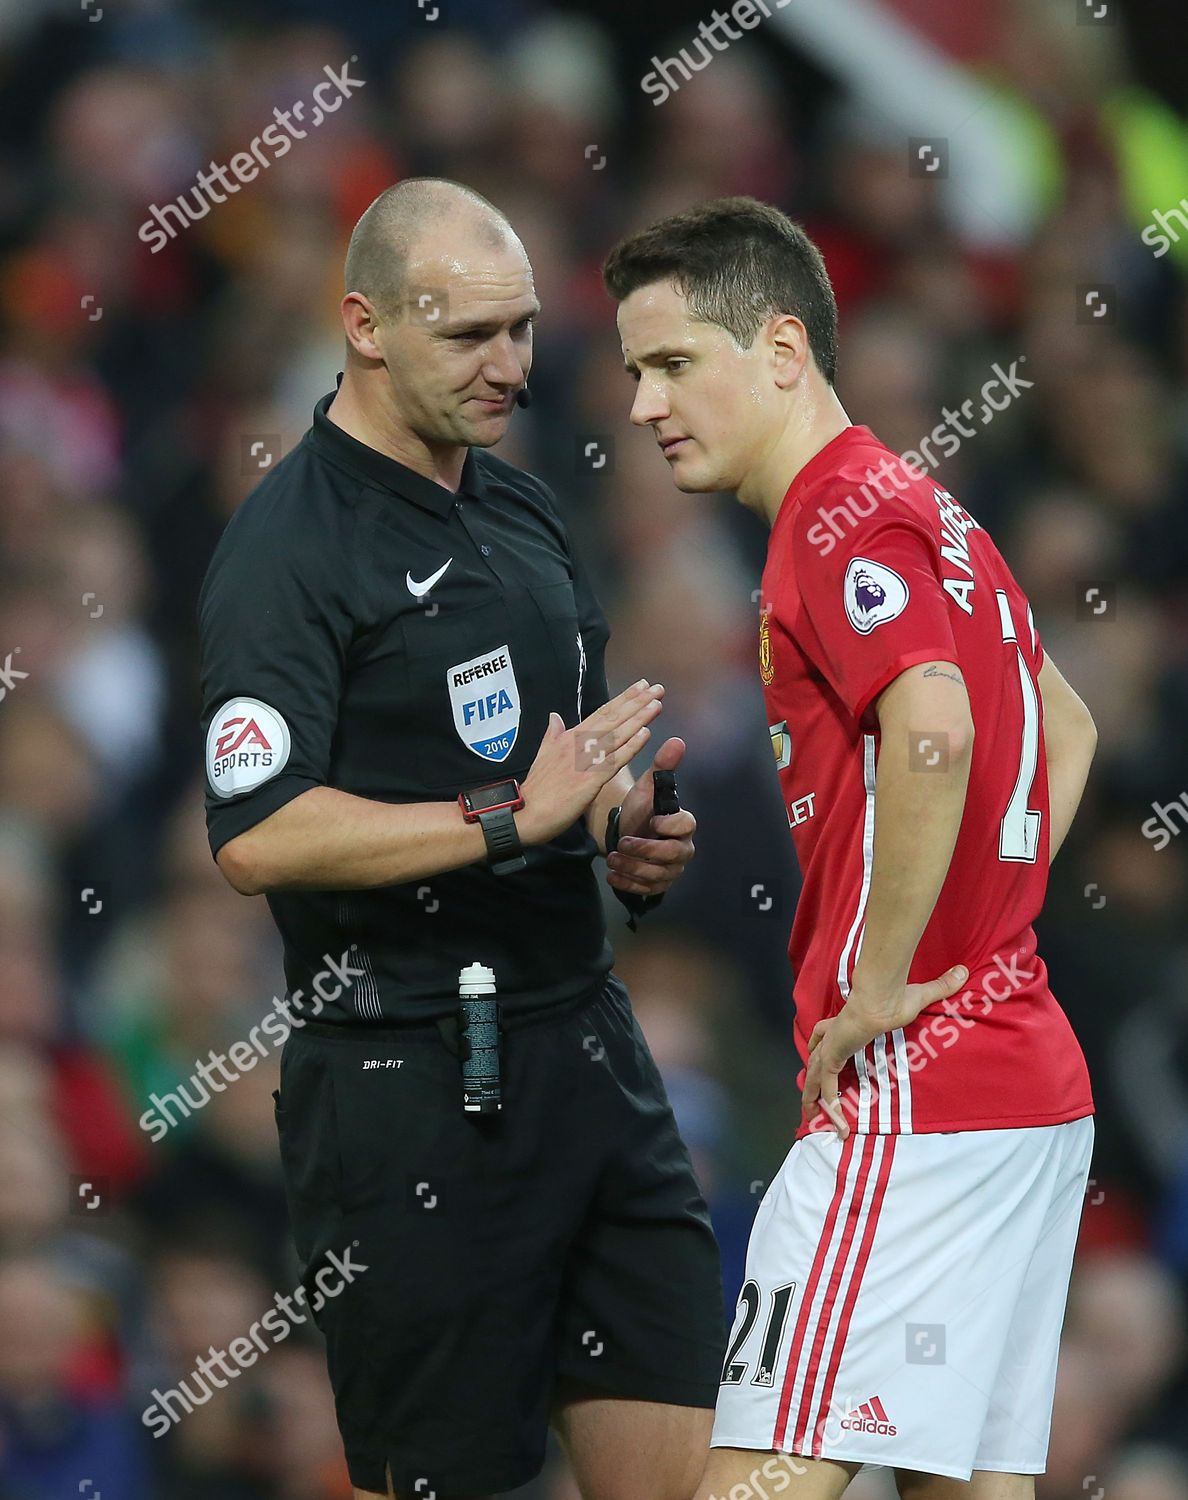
pixel 869 1417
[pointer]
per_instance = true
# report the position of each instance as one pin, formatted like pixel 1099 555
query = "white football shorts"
pixel 903 1300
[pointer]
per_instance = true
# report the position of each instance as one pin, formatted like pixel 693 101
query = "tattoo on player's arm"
pixel 935 671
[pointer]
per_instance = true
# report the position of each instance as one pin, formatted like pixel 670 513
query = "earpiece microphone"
pixel 523 398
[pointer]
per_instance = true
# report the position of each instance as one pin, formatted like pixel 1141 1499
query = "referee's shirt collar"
pixel 328 438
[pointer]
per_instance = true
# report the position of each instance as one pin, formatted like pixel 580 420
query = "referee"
pixel 411 752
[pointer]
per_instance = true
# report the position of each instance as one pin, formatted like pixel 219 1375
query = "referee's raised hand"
pixel 573 765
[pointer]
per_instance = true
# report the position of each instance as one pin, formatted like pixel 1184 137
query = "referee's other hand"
pixel 652 850
pixel 573 765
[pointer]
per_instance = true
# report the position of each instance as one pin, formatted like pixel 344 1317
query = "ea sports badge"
pixel 766 660
pixel 485 700
pixel 247 743
pixel 873 594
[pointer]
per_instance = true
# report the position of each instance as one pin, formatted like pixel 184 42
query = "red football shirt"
pixel 872 568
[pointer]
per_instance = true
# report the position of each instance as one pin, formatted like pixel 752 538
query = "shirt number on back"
pixel 1018 833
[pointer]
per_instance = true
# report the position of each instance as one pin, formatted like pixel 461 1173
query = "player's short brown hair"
pixel 738 262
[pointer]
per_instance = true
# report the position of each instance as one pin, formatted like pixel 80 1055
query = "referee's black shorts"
pixel 565 1238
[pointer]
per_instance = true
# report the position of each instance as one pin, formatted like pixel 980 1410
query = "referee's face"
pixel 464 347
pixel 711 404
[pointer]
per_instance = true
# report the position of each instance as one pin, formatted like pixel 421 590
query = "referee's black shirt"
pixel 322 667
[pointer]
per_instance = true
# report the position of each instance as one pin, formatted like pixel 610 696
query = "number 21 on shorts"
pixel 749 1301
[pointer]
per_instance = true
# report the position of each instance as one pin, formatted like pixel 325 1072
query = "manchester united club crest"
pixel 766 662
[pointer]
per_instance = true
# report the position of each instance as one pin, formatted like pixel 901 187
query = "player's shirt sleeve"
pixel 274 635
pixel 873 606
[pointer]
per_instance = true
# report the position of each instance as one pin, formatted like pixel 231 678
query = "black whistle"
pixel 664 793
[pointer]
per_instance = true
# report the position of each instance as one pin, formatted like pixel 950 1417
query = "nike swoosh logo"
pixel 418 589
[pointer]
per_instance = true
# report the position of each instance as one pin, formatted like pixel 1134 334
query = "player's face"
pixel 707 400
pixel 464 347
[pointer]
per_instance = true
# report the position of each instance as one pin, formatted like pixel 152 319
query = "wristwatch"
pixel 493 807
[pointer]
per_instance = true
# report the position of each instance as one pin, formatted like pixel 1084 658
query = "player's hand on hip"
pixel 879 1010
pixel 831 1046
pixel 653 851
pixel 835 1041
pixel 573 765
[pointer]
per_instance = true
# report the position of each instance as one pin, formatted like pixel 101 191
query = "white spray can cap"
pixel 476 979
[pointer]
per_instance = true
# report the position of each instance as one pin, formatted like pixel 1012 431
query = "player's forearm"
pixel 918 811
pixel 1068 771
pixel 330 840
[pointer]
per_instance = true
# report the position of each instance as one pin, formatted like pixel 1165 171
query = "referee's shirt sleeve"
pixel 274 632
pixel 595 633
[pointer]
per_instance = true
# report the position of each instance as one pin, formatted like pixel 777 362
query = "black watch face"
pixel 492 796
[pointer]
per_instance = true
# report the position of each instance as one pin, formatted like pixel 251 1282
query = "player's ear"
pixel 789 343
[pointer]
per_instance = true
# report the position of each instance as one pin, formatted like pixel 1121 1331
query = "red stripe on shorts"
pixel 843 1327
pixel 853 1214
pixel 810 1291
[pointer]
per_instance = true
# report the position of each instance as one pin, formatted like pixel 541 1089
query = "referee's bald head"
pixel 438 313
pixel 412 221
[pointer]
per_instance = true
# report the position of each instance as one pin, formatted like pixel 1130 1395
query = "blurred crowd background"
pixel 141 397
